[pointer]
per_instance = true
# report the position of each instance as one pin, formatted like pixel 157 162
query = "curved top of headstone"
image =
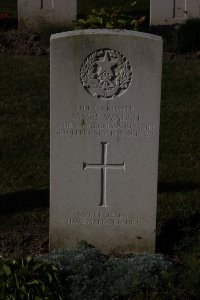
pixel 107 32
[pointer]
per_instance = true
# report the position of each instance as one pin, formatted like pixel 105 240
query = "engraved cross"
pixel 104 166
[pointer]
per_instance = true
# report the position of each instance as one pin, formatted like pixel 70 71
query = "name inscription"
pixel 106 121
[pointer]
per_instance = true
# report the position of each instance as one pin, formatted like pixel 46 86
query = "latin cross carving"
pixel 104 166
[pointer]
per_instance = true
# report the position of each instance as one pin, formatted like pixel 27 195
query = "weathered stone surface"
pixel 105 107
pixel 40 15
pixel 172 12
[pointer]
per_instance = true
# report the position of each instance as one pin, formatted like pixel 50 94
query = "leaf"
pixel 54 268
pixel 82 22
pixel 6 270
pixel 29 259
pixel 22 290
pixel 95 20
pixel 50 277
pixel 34 282
pixel 121 21
pixel 133 3
pixel 109 25
pixel 16 281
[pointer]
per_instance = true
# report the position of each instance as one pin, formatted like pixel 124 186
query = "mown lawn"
pixel 24 116
pixel 24 153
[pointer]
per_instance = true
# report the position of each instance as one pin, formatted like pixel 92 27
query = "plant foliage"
pixel 87 274
pixel 26 279
pixel 120 17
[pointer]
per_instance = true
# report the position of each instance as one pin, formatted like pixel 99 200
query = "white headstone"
pixel 39 15
pixel 170 12
pixel 105 103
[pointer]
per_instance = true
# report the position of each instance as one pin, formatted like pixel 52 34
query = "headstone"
pixel 172 12
pixel 40 15
pixel 105 103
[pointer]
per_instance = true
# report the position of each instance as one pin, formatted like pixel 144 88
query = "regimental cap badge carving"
pixel 106 74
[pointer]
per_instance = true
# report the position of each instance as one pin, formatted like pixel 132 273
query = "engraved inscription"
pixel 106 121
pixel 102 218
pixel 106 74
pixel 127 222
pixel 104 167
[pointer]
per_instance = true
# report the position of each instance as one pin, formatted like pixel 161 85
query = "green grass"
pixel 24 115
pixel 24 152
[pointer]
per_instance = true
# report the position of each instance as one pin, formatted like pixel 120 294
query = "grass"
pixel 24 152
pixel 24 115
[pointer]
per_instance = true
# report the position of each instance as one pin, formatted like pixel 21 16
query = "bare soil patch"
pixel 21 236
pixel 24 223
pixel 21 43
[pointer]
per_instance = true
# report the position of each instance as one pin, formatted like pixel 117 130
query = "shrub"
pixel 26 279
pixel 87 274
pixel 188 37
pixel 120 17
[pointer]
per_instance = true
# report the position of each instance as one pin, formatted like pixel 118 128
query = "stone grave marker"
pixel 172 12
pixel 105 107
pixel 40 15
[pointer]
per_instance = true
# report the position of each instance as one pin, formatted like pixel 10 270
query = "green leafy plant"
pixel 188 36
pixel 115 17
pixel 26 279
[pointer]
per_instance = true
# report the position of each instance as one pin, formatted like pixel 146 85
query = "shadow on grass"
pixel 23 201
pixel 177 231
pixel 175 187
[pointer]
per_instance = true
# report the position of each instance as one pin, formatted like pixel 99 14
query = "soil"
pixel 23 235
pixel 24 223
pixel 13 42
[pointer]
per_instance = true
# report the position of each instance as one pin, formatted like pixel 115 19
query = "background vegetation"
pixel 84 6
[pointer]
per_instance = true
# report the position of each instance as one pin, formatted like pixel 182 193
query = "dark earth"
pixel 23 236
pixel 24 223
pixel 13 42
